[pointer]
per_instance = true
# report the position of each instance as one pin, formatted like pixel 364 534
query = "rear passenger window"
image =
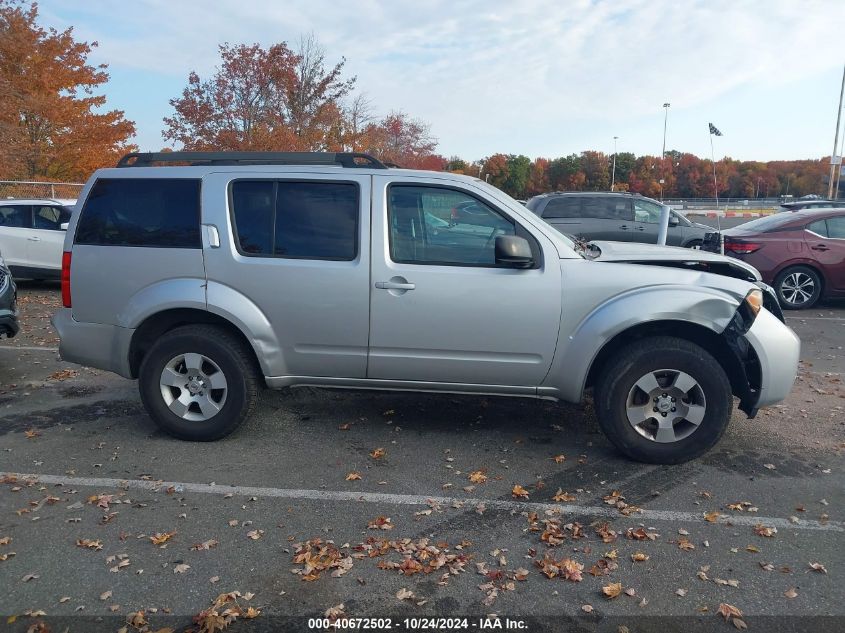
pixel 836 228
pixel 19 216
pixel 297 220
pixel 563 208
pixel 819 228
pixel 151 212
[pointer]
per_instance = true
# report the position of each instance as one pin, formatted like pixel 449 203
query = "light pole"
pixel 613 176
pixel 665 122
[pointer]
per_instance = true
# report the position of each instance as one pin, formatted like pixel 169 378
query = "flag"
pixel 714 130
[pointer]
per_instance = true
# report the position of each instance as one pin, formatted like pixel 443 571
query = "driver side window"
pixel 647 212
pixel 437 226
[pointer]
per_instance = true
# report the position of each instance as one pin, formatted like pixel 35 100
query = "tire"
pixel 674 364
pixel 199 410
pixel 798 287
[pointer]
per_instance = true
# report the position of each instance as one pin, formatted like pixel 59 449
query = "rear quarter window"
pixel 151 212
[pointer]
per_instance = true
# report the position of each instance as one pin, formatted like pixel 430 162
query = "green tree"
pixel 519 169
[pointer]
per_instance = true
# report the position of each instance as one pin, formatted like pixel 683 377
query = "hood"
pixel 672 256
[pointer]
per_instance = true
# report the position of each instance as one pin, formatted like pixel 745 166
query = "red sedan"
pixel 800 253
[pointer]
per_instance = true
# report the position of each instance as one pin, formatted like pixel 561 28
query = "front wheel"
pixel 198 383
pixel 663 400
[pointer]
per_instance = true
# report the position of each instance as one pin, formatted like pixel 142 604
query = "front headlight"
pixel 754 301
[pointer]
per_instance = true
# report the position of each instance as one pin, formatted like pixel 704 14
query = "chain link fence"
pixel 53 190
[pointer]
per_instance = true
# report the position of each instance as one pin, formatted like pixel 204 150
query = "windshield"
pixel 501 195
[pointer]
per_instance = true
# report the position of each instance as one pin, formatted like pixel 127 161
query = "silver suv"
pixel 223 273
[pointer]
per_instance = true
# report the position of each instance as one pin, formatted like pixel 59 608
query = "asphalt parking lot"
pixel 407 506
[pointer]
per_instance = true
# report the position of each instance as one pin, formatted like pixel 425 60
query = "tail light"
pixel 66 279
pixel 741 248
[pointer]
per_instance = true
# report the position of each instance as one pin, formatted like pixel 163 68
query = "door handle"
pixel 639 228
pixel 394 285
pixel 624 227
pixel 820 247
pixel 34 239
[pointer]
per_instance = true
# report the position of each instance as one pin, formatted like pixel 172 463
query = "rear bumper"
pixel 8 306
pixel 93 344
pixel 778 349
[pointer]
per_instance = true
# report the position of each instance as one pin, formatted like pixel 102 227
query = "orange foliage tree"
pixel 52 124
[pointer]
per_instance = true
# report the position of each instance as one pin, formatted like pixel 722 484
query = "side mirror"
pixel 63 226
pixel 513 252
pixel 673 220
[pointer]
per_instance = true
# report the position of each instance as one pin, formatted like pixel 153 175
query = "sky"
pixel 524 77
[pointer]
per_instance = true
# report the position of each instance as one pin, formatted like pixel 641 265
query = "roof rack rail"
pixel 343 159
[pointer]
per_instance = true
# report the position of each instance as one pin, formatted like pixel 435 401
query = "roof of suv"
pixel 624 194
pixel 13 201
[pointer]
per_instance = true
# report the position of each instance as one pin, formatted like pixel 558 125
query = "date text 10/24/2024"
pixel 418 624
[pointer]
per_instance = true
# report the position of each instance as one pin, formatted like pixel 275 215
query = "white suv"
pixel 32 233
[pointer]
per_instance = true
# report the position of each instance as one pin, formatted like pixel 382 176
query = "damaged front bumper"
pixel 766 351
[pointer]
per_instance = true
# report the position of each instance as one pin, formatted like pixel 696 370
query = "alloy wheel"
pixel 666 405
pixel 193 387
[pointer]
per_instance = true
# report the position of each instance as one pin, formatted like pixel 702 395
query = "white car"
pixel 32 232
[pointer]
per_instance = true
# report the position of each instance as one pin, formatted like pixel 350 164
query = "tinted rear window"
pixel 150 212
pixel 298 220
pixel 563 208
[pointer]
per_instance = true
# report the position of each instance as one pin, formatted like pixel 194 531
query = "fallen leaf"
pixel 214 579
pixel 639 557
pixel 64 599
pixel 712 517
pixel 519 492
pixel 380 523
pixel 477 477
pixel 818 567
pixel 5 540
pixel 612 590
pixel 763 530
pixel 791 593
pixel 181 568
pixel 561 496
pixel 728 611
pixel 559 459
pixel 587 608
pixel 29 577
pixel 31 434
pixel 353 476
pixel 205 545
pixel 89 543
pixel 404 594
pixel 106 595
pixel 378 453
pixel 255 534
pixel 344 427
pixel 769 466
pixel 161 537
pixel 681 592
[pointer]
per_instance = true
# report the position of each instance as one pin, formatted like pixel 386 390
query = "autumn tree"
pixel 403 140
pixel 538 178
pixel 53 125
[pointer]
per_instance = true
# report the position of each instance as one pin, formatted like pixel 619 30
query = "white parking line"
pixel 421 500
pixel 816 318
pixel 29 348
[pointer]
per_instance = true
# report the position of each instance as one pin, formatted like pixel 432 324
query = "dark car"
pixel 8 307
pixel 621 217
pixel 798 205
pixel 801 254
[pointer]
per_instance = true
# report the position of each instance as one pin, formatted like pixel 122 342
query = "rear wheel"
pixel 798 287
pixel 198 383
pixel 663 400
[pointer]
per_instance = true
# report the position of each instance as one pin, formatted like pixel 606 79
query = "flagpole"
pixel 835 141
pixel 716 190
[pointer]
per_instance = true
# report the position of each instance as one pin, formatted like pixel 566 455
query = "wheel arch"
pixel 156 325
pixel 716 344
